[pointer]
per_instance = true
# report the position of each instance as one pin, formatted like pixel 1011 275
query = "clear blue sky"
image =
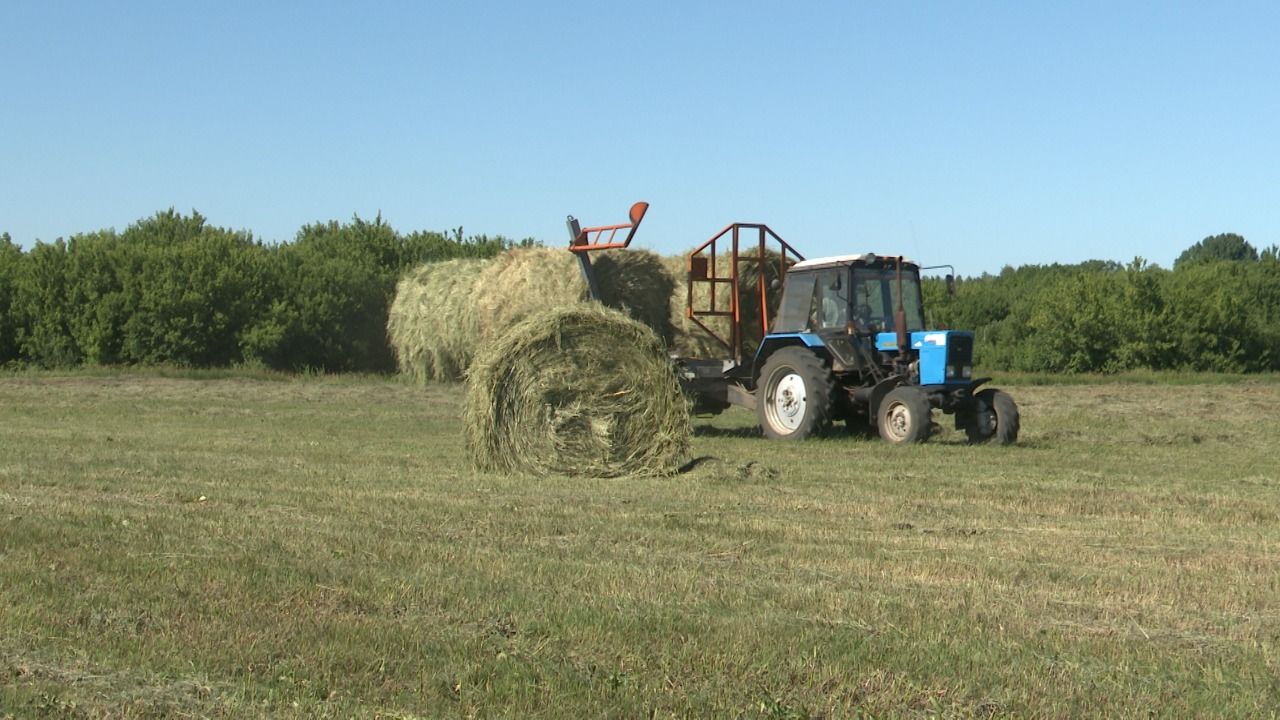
pixel 971 133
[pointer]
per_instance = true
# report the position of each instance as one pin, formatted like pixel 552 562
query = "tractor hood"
pixel 946 356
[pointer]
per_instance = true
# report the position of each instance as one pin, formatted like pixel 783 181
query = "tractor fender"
pixel 877 394
pixel 774 343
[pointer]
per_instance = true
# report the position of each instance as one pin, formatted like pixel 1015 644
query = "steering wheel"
pixel 862 317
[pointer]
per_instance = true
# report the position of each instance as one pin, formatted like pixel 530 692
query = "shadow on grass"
pixel 713 468
pixel 744 431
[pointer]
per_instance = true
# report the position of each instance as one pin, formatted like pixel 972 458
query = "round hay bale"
pixel 430 323
pixel 524 281
pixel 443 310
pixel 581 390
pixel 637 282
pixel 519 283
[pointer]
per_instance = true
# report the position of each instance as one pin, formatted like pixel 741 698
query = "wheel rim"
pixel 897 422
pixel 988 421
pixel 787 403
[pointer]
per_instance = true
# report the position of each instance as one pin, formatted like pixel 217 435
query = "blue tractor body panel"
pixel 808 339
pixel 773 341
pixel 945 356
pixel 938 351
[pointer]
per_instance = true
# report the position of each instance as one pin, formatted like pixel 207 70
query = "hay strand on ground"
pixel 581 390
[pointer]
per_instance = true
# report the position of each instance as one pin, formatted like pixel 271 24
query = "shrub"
pixel 11 266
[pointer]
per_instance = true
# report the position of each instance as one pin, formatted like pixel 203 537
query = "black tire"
pixel 905 416
pixel 995 417
pixel 795 396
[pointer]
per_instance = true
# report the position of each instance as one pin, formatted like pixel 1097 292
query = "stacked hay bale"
pixel 578 390
pixel 443 311
pixel 639 284
pixel 520 282
pixel 430 324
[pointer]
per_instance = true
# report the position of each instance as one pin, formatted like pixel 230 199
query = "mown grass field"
pixel 244 547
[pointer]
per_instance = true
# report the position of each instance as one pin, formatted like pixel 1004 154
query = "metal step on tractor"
pixel 808 343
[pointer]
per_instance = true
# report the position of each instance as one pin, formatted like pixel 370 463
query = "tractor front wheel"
pixel 794 397
pixel 995 416
pixel 905 415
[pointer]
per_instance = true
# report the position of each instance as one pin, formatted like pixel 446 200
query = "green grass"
pixel 240 547
pixel 1138 377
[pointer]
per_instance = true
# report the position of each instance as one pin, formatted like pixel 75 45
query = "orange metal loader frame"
pixel 584 241
pixel 702 269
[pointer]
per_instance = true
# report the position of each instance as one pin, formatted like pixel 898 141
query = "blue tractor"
pixel 809 343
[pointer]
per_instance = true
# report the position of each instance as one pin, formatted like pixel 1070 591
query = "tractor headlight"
pixel 951 371
pixel 966 372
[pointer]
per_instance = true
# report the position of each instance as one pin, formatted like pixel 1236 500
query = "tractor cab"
pixel 850 295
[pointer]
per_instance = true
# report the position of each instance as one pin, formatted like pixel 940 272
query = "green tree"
pixel 44 319
pixel 1227 246
pixel 1146 339
pixel 170 289
pixel 96 303
pixel 1075 324
pixel 173 289
pixel 335 285
pixel 11 259
pixel 1225 317
pixel 193 291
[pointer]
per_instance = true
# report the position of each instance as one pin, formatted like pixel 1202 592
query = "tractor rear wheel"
pixel 905 415
pixel 795 396
pixel 995 416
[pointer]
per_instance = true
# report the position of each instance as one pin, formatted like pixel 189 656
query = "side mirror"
pixel 951 285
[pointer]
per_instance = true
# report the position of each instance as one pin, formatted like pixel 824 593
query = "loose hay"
pixel 582 390
pixel 443 310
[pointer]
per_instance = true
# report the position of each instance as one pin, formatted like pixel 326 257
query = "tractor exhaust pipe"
pixel 900 318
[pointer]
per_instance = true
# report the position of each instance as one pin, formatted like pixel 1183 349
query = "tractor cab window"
pixel 875 298
pixel 830 308
pixel 797 304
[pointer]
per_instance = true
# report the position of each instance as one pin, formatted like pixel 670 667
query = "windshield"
pixel 875 298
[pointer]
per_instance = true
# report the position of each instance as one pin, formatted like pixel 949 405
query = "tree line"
pixel 1217 309
pixel 173 289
